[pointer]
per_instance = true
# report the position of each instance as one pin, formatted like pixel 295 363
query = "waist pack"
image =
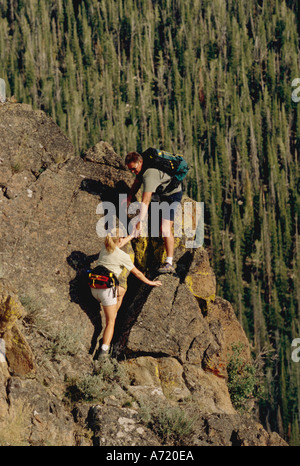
pixel 101 277
pixel 173 165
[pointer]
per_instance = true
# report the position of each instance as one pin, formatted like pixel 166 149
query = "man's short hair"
pixel 132 157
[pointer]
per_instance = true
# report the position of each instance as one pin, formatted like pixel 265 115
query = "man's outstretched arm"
pixel 134 189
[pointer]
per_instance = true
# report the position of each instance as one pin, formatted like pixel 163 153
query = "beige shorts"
pixel 105 296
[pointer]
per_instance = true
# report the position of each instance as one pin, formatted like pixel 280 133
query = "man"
pixel 154 180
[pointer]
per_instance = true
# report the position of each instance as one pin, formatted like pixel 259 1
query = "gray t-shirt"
pixel 152 178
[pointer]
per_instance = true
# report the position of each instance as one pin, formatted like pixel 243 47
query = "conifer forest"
pixel 213 80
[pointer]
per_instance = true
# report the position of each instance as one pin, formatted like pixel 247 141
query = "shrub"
pixel 98 385
pixel 112 371
pixel 65 342
pixel 87 388
pixel 62 341
pixel 171 423
pixel 243 379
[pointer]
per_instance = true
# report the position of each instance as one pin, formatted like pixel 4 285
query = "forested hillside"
pixel 211 79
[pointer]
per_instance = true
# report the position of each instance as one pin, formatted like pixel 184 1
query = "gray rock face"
pixel 48 238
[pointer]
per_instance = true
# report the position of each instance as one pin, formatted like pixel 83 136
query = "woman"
pixel 114 259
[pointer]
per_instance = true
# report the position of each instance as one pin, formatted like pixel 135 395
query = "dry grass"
pixel 14 428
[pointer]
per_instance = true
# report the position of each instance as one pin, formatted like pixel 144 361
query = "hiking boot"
pixel 166 268
pixel 104 353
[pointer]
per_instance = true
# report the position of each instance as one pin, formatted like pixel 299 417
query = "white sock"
pixel 169 260
pixel 105 347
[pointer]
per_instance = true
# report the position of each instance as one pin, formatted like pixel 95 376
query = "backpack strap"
pixel 164 161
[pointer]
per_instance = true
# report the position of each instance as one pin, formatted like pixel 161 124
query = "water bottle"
pixel 2 91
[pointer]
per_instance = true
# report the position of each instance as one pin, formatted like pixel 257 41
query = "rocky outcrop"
pixel 173 341
pixel 17 351
pixel 168 342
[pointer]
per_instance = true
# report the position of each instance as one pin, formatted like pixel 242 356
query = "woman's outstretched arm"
pixel 144 279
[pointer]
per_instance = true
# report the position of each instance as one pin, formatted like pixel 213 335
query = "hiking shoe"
pixel 104 353
pixel 166 268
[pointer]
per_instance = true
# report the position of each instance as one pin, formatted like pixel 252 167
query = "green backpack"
pixel 172 164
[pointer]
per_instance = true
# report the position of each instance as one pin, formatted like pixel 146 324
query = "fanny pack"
pixel 101 277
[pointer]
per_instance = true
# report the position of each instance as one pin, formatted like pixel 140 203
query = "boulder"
pixel 49 423
pixel 10 307
pixel 166 340
pixel 114 427
pixel 165 320
pixel 30 142
pixel 233 430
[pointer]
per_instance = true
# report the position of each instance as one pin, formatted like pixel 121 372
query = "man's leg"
pixel 167 225
pixel 167 233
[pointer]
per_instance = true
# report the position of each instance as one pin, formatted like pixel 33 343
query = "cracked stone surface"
pixel 48 215
pixel 48 238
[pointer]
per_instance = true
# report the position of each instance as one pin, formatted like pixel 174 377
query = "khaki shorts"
pixel 105 296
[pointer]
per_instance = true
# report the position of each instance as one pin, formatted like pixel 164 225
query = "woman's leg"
pixel 110 317
pixel 120 295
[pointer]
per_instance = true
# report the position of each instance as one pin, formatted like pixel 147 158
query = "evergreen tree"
pixel 211 80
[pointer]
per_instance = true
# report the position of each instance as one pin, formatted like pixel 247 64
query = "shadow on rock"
pixel 136 296
pixel 80 292
pixel 107 193
pixel 183 265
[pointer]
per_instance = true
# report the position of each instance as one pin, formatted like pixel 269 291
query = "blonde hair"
pixel 111 239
